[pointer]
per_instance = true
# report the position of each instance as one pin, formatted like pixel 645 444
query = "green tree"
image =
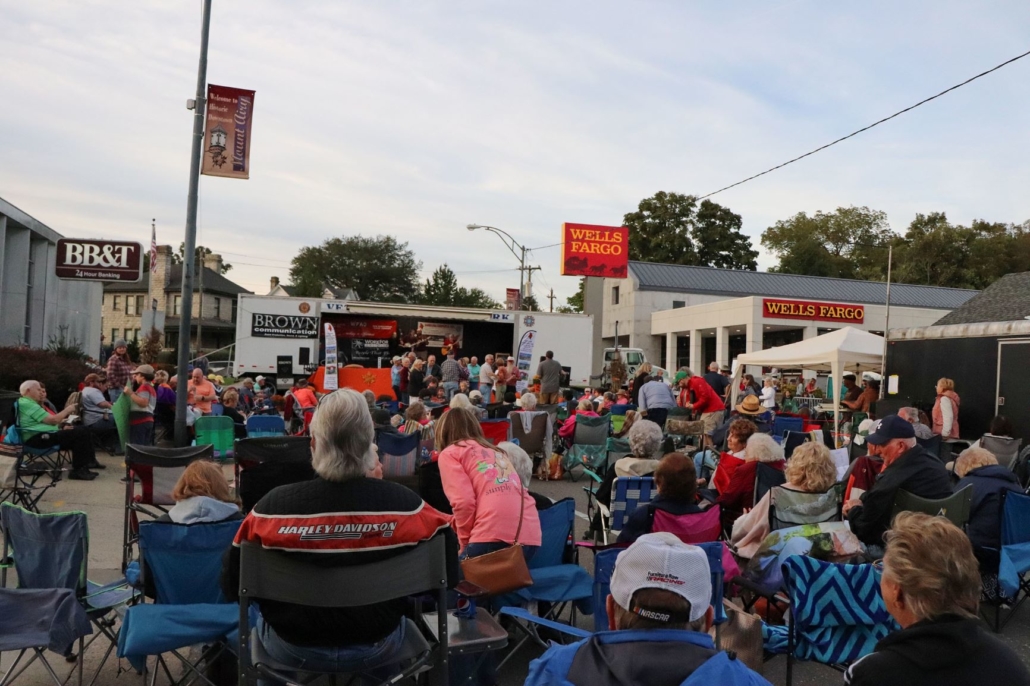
pixel 574 303
pixel 672 228
pixel 529 303
pixel 380 269
pixel 200 251
pixel 850 243
pixel 443 289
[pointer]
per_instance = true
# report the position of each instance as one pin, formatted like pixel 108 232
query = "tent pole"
pixel 886 325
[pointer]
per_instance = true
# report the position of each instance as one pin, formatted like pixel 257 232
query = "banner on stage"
pixel 525 360
pixel 227 129
pixel 331 381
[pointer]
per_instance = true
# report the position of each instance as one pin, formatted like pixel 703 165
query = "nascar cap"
pixel 663 561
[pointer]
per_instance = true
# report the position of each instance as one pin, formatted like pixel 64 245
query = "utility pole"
pixel 551 298
pixel 182 437
pixel 527 289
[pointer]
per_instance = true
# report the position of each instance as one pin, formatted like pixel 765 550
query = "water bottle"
pixel 425 454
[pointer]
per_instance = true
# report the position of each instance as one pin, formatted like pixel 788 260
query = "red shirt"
pixel 706 399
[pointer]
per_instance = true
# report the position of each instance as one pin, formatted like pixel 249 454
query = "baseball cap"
pixel 863 431
pixel 144 369
pixel 476 394
pixel 890 427
pixel 663 561
pixel 259 379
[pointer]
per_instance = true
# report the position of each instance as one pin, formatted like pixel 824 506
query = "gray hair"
pixel 341 434
pixel 27 386
pixel 713 366
pixel 762 448
pixel 520 459
pixel 909 414
pixel 370 398
pixel 461 400
pixel 528 401
pixel 645 439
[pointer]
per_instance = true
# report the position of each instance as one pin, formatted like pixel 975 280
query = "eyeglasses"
pixel 878 565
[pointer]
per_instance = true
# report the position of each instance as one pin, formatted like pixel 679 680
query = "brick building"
pixel 124 303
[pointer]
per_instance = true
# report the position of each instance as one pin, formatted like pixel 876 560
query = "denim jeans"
pixel 342 659
pixel 450 388
pixel 705 462
pixel 486 389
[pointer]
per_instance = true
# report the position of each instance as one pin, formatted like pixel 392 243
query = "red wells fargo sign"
pixel 589 250
pixel 803 309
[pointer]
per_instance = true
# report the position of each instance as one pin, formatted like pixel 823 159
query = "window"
pixel 615 295
pixel 130 304
pixel 135 335
pixel 635 358
pixel 677 304
pixel 139 304
pixel 117 303
pixel 218 308
pixel 176 304
pixel 114 335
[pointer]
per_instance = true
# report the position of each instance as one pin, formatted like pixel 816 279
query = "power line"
pixel 866 128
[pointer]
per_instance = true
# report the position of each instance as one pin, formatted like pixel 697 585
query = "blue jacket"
pixel 989 482
pixel 656 395
pixel 642 657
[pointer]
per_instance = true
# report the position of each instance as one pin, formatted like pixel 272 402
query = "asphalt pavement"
pixel 102 501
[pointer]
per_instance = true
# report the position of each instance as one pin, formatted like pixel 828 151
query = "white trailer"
pixel 284 336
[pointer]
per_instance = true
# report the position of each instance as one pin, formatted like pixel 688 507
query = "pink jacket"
pixel 568 428
pixel 484 492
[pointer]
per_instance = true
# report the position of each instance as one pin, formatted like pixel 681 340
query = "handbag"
pixel 501 571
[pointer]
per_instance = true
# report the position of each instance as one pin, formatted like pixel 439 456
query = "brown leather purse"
pixel 501 571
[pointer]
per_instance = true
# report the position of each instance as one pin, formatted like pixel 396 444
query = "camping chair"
pixel 262 464
pixel 1002 447
pixel 836 614
pixel 588 444
pixel 260 425
pixel 932 445
pixel 1014 562
pixel 555 580
pixel 767 478
pixel 273 574
pixel 784 424
pixel 218 432
pixel 955 508
pixel 617 421
pixel 399 455
pixel 792 439
pixel 51 459
pixel 628 493
pixel 534 442
pixel 792 508
pixel 185 561
pixel 18 480
pixel 621 410
pixel 697 528
pixel 51 553
pixel 158 470
pixel 495 430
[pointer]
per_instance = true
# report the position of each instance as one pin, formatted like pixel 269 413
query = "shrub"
pixel 63 346
pixel 59 374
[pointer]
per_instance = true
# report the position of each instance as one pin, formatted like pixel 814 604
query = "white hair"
pixel 461 400
pixel 27 386
pixel 520 459
pixel 342 433
pixel 762 448
pixel 910 414
pixel 528 402
pixel 909 442
pixel 645 439
pixel 713 366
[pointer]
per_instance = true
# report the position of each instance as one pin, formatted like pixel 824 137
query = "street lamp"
pixel 512 245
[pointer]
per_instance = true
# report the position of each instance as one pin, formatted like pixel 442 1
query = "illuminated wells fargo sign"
pixel 589 250
pixel 803 309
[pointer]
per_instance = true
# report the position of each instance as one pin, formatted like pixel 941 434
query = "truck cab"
pixel 631 357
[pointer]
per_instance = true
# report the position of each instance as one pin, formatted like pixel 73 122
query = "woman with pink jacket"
pixel 485 492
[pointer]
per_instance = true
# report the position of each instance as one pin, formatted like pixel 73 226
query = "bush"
pixel 63 346
pixel 59 374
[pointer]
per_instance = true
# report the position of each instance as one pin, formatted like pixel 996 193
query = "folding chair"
pixel 836 614
pixel 261 464
pixel 273 575
pixel 628 493
pixel 158 470
pixel 767 478
pixel 1014 563
pixel 697 528
pixel 931 445
pixel 955 508
pixel 51 552
pixel 534 442
pixel 41 619
pixel 621 410
pixel 792 439
pixel 218 432
pixel 399 455
pixel 792 508
pixel 50 459
pixel 783 424
pixel 217 409
pixel 18 481
pixel 261 425
pixel 588 444
pixel 1002 447
pixel 185 561
pixel 496 430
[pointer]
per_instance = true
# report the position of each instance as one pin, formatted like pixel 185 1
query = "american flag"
pixel 153 244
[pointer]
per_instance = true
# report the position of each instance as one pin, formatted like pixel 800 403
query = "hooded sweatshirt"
pixel 202 508
pixel 948 651
pixel 989 483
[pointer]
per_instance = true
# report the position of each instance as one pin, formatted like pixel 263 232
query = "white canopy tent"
pixel 837 352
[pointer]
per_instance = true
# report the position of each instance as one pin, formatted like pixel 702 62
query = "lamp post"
pixel 512 245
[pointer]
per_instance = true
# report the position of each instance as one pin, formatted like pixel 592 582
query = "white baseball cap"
pixel 663 561
pixel 259 379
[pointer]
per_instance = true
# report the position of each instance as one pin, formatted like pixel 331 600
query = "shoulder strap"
pixel 522 511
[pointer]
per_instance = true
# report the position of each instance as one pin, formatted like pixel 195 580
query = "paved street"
pixel 102 501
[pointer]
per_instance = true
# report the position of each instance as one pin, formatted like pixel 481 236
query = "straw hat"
pixel 750 405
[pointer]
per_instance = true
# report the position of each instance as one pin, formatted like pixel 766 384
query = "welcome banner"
pixel 230 113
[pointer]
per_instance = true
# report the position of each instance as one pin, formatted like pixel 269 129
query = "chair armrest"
pixel 525 615
pixel 773 596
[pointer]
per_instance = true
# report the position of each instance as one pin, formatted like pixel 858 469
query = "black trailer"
pixel 989 362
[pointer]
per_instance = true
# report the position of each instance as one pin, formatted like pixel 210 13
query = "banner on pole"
pixel 525 360
pixel 331 381
pixel 230 114
pixel 512 299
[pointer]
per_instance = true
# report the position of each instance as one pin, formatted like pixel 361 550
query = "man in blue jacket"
pixel 659 613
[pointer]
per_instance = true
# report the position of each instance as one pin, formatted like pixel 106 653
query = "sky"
pixel 416 118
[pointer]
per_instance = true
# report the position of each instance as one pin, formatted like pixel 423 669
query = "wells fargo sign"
pixel 803 309
pixel 589 250
pixel 97 260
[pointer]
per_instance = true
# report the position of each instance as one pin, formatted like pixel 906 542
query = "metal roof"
pixel 1005 300
pixel 738 282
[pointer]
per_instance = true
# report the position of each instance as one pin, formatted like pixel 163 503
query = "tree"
pixel 850 243
pixel 672 228
pixel 530 304
pixel 380 269
pixel 443 290
pixel 200 251
pixel 575 301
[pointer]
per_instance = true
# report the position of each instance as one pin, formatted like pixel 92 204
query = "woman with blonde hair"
pixel 979 468
pixel 945 409
pixel 930 583
pixel 416 378
pixel 642 376
pixel 809 470
pixel 491 504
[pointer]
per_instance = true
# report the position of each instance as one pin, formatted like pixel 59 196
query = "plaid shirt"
pixel 118 370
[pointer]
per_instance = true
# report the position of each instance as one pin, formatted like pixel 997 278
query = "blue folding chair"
pixel 51 552
pixel 217 409
pixel 262 425
pixel 621 410
pixel 399 455
pixel 836 613
pixel 20 482
pixel 51 459
pixel 604 565
pixel 186 563
pixel 628 493
pixel 1014 563
pixel 782 424
pixel 792 439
